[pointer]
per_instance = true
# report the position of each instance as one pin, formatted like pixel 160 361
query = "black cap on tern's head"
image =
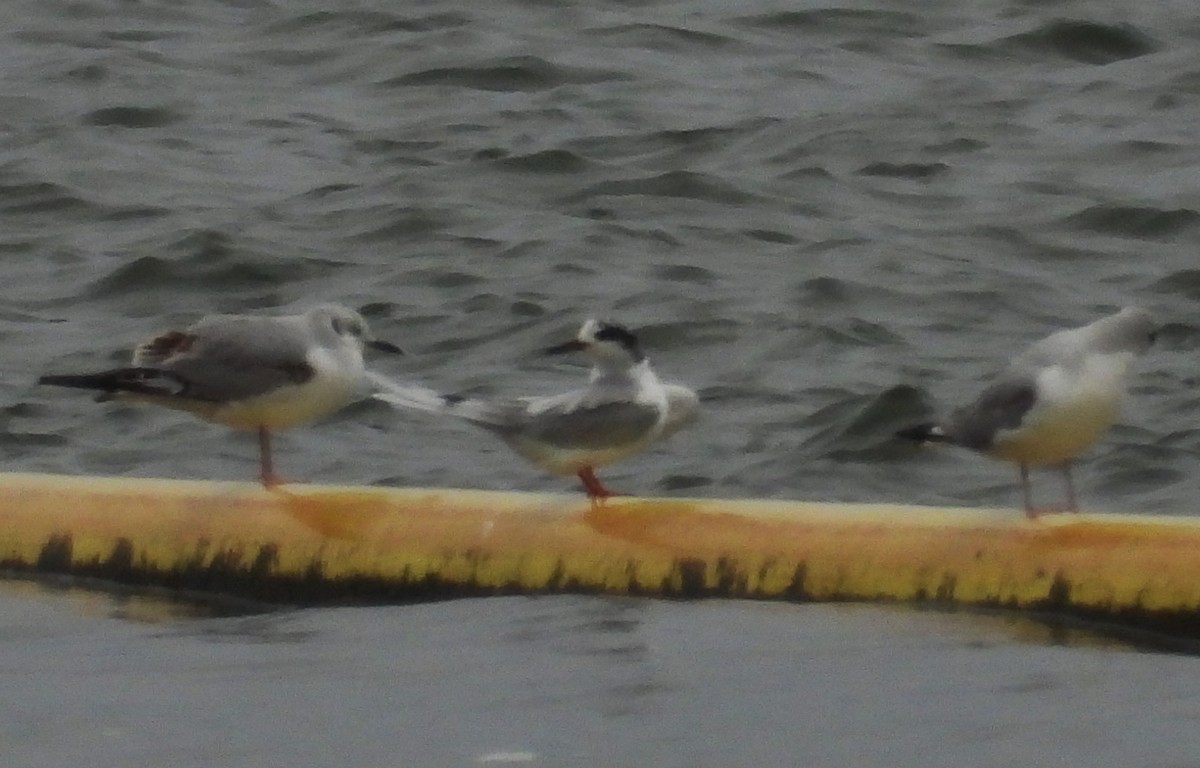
pixel 603 340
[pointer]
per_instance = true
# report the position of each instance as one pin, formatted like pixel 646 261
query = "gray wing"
pixel 573 420
pixel 225 358
pixel 1001 406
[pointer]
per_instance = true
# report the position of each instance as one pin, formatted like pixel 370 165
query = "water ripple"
pixel 1135 221
pixel 515 73
pixel 1088 42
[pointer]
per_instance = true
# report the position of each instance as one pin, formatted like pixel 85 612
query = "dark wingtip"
pixel 923 433
pixel 78 380
pixel 141 381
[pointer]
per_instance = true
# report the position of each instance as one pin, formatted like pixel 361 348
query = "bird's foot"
pixel 1033 513
pixel 271 480
pixel 595 489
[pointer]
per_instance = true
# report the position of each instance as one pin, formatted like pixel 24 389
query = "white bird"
pixel 1052 401
pixel 247 371
pixel 623 409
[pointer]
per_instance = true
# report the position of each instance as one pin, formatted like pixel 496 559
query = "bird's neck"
pixel 638 373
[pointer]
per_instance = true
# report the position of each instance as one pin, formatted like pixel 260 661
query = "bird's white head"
pixel 609 345
pixel 342 324
pixel 1132 330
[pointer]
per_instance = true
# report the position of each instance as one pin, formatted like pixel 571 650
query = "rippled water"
pixel 830 220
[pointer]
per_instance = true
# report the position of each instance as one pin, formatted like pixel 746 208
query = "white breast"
pixel 333 385
pixel 1074 408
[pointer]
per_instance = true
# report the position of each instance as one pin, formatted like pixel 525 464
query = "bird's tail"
pixel 429 400
pixel 929 432
pixel 682 407
pixel 151 382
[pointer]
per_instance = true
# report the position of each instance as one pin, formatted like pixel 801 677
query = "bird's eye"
pixel 345 327
pixel 1153 336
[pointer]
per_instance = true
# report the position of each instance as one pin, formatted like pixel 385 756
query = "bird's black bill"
pixel 574 345
pixel 385 346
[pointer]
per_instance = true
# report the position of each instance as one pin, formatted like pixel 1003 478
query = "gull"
pixel 1052 401
pixel 247 371
pixel 623 409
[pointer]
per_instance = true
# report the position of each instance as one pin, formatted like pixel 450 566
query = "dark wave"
pixel 399 152
pixel 685 273
pixel 202 258
pixel 388 223
pixel 682 184
pixel 517 73
pixel 903 170
pixel 546 161
pixel 827 290
pixel 1135 221
pixel 133 117
pixel 856 332
pixel 842 20
pixel 660 37
pixel 863 427
pixel 692 141
pixel 1185 282
pixel 1085 41
pixel 365 22
pixel 45 197
pixel 41 197
pixel 443 278
pixel 773 236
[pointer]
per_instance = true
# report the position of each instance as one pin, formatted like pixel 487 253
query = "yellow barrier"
pixel 313 544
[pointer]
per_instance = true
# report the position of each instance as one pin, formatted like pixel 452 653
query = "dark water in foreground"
pixel 829 219
pixel 574 681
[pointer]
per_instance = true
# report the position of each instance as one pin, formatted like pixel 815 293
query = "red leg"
pixel 595 489
pixel 267 468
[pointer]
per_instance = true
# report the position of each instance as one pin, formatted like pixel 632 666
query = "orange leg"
pixel 267 468
pixel 595 489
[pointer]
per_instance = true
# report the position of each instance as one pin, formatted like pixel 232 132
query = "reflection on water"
pixel 142 605
pixel 572 681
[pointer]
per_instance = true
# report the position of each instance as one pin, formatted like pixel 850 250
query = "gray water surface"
pixel 575 681
pixel 831 220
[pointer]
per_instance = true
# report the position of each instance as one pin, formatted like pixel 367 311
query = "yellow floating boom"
pixel 313 544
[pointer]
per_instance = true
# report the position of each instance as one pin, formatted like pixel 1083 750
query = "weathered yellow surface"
pixel 308 544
